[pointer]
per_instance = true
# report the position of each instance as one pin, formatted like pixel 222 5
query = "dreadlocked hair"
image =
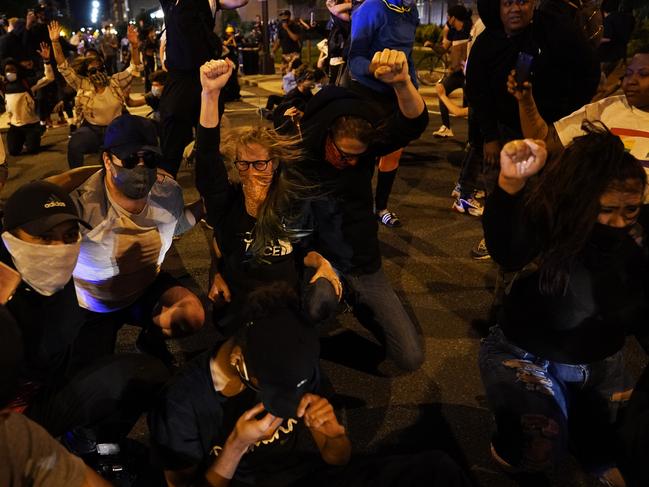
pixel 564 200
pixel 282 210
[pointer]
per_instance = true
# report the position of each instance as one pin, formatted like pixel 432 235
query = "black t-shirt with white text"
pixel 192 422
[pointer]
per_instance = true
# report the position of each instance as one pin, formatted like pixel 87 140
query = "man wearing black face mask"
pixel 135 210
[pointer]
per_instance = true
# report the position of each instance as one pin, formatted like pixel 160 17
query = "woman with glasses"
pixel 256 214
pixel 100 98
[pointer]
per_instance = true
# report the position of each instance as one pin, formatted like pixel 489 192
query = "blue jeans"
pixel 379 309
pixel 541 407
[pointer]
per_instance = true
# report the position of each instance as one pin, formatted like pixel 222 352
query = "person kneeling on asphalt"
pixel 342 140
pixel 84 402
pixel 135 210
pixel 257 215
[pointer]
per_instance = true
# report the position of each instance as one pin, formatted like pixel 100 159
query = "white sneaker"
pixel 443 131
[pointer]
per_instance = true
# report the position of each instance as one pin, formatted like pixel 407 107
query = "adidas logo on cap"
pixel 54 201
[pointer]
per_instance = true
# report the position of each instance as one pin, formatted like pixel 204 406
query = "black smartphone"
pixel 523 68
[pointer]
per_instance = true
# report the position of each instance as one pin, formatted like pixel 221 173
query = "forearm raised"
pixel 58 52
pixel 209 117
pixel 411 104
pixel 533 125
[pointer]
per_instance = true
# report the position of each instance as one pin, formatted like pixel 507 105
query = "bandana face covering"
pixel 255 189
pixel 134 183
pixel 46 268
pixel 100 78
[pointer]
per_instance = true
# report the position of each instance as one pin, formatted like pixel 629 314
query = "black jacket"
pixel 565 68
pixel 605 300
pixel 346 228
pixel 49 326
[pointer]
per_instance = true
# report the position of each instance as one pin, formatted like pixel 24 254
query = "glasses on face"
pixel 343 155
pixel 149 158
pixel 95 70
pixel 509 3
pixel 260 165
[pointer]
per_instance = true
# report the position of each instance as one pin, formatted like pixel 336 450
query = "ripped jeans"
pixel 543 408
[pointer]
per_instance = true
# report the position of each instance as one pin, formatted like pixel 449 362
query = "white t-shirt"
pixel 21 107
pixel 122 254
pixel 625 121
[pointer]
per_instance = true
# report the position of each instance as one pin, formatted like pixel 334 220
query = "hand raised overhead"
pixel 215 74
pixel 390 66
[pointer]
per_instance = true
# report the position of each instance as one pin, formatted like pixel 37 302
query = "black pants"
pixel 87 139
pixel 108 395
pixel 180 107
pixel 25 135
pixel 273 101
pixel 451 83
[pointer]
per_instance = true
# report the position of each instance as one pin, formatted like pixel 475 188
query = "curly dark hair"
pixel 564 200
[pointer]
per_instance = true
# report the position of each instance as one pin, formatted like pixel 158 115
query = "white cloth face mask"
pixel 46 268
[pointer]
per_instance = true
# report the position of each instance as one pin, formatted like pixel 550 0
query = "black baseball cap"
pixel 37 207
pixel 284 13
pixel 128 134
pixel 282 352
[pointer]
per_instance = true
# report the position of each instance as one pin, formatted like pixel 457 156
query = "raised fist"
pixel 390 66
pixel 215 74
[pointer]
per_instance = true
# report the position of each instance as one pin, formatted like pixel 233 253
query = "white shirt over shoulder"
pixel 122 254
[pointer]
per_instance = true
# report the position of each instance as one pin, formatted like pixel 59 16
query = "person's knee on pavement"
pixel 411 361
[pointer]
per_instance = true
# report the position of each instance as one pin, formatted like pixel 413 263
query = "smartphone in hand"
pixel 523 69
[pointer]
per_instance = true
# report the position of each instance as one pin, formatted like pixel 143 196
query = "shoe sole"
pixel 480 257
pixel 462 211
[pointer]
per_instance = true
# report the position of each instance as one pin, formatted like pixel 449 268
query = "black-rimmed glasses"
pixel 260 165
pixel 345 156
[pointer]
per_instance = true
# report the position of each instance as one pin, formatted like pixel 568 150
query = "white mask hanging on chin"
pixel 46 268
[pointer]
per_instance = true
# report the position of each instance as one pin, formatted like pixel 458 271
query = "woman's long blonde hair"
pixel 281 213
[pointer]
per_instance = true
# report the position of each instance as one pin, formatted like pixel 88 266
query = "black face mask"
pixel 99 78
pixel 134 183
pixel 606 237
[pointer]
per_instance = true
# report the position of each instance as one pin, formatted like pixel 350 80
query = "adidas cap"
pixel 37 207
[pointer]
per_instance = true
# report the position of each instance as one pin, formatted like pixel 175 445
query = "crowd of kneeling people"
pixel 295 233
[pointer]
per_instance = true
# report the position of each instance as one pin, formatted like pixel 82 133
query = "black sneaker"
pixel 389 219
pixel 480 251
